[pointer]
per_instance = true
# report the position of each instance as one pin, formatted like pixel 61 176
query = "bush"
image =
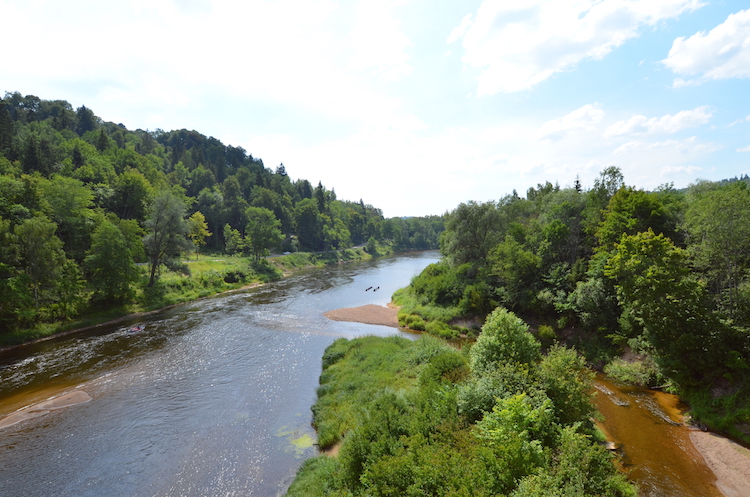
pixel 440 329
pixel 505 338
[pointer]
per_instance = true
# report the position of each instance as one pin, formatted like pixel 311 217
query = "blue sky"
pixel 411 105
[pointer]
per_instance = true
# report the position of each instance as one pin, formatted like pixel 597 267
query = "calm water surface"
pixel 211 399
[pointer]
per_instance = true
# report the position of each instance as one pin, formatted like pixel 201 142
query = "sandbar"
pixel 366 314
pixel 44 407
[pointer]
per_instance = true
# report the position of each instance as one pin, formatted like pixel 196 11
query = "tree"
pixel 718 224
pixel 654 282
pixel 110 263
pixel 70 203
pixel 263 231
pixel 632 211
pixel 132 192
pixel 198 229
pixel 505 338
pixel 86 120
pixel 307 219
pixel 166 232
pixel 41 254
pixel 471 231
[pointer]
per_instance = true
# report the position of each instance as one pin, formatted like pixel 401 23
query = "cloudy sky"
pixel 411 105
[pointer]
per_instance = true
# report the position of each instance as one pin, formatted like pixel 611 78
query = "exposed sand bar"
pixel 729 461
pixel 367 314
pixel 42 408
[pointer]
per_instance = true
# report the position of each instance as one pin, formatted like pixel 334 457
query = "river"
pixel 212 398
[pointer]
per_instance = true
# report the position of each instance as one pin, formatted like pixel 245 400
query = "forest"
pixel 653 287
pixel 532 295
pixel 93 214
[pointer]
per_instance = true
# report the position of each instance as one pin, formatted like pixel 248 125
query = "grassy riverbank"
pixel 205 275
pixel 422 418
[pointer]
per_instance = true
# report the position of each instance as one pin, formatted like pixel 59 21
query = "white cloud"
pixel 671 170
pixel 744 149
pixel 583 118
pixel 639 124
pixel 690 145
pixel 378 42
pixel 516 45
pixel 723 52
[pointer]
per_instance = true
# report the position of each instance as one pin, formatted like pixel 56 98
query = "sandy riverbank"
pixel 367 314
pixel 729 461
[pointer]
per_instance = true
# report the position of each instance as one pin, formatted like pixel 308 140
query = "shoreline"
pixel 126 317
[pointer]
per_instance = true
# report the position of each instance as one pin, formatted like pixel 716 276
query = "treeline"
pixel 423 418
pixel 83 200
pixel 610 268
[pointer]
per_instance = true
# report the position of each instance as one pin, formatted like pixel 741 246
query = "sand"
pixel 42 408
pixel 367 314
pixel 729 461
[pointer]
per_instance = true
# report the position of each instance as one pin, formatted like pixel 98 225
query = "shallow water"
pixel 654 444
pixel 212 398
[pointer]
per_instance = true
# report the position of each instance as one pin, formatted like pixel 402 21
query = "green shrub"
pixel 505 338
pixel 440 329
pixel 547 335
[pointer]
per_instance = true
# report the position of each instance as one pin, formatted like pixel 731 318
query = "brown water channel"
pixel 654 443
pixel 211 398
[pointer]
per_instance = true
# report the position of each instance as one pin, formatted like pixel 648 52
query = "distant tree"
pixel 131 196
pixel 86 120
pixel 6 128
pixel 233 242
pixel 263 232
pixel 471 231
pixel 110 263
pixel 198 229
pixel 632 211
pixel 308 221
pixel 41 252
pixel 166 234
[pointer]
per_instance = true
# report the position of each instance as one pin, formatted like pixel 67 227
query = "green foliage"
pixel 399 410
pixel 579 468
pixel 167 229
pixel 471 232
pixel 505 338
pixel 654 281
pixel 110 264
pixel 569 384
pixel 263 231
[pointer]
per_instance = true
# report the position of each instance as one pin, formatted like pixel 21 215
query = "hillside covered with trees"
pixel 660 275
pixel 84 201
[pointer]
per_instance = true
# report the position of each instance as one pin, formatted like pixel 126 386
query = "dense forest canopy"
pixel 611 268
pixel 74 187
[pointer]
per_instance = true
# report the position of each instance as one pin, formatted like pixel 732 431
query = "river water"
pixel 212 398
